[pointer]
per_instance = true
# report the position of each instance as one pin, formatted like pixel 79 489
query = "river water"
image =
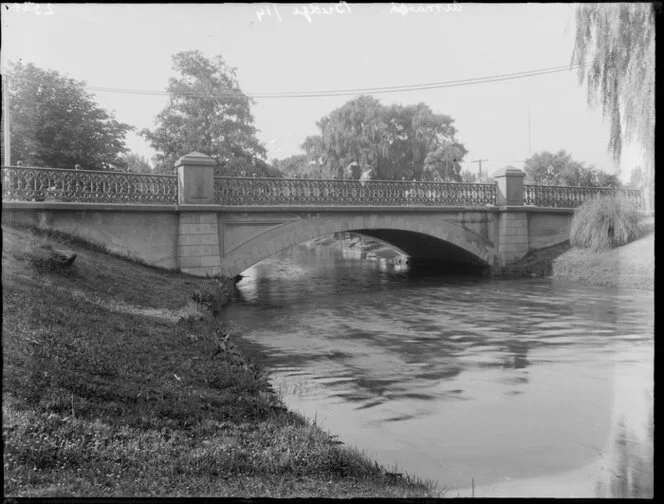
pixel 526 388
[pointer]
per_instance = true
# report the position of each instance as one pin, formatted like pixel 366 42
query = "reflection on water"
pixel 631 472
pixel 509 383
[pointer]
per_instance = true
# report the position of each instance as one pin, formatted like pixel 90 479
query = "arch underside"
pixel 434 240
pixel 425 248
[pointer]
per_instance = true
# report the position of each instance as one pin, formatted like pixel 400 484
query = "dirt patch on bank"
pixel 536 263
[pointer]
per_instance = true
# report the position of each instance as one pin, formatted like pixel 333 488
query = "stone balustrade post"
pixel 509 187
pixel 199 249
pixel 195 173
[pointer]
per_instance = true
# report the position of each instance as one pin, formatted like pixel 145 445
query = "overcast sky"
pixel 277 49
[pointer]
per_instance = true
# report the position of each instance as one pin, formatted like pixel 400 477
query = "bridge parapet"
pixel 198 186
pixel 240 191
pixel 20 183
pixel 571 197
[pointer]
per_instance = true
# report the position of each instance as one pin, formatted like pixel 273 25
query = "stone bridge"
pixel 203 225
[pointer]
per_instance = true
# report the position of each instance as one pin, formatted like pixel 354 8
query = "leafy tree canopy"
pixel 443 165
pixel 245 166
pixel 55 122
pixel 636 178
pixel 296 166
pixel 396 141
pixel 136 163
pixel 546 168
pixel 207 113
pixel 469 177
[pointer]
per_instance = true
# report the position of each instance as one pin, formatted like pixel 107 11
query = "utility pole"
pixel 480 163
pixel 7 136
pixel 529 151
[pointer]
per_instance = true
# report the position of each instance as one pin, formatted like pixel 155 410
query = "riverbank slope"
pixel 631 266
pixel 118 381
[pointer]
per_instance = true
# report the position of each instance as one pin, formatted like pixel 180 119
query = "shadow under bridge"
pixel 424 250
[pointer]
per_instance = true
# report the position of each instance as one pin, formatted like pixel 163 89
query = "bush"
pixel 603 222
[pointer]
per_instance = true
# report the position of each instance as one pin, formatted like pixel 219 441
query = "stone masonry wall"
pixel 198 244
pixel 513 236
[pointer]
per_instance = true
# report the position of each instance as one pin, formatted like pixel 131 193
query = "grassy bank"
pixel 116 383
pixel 631 266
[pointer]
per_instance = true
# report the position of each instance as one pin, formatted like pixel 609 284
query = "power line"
pixel 346 92
pixel 409 87
pixel 7 129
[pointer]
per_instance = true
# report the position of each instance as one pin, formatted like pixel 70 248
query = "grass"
pixel 611 245
pixel 116 383
pixel 603 262
pixel 72 240
pixel 630 266
pixel 604 222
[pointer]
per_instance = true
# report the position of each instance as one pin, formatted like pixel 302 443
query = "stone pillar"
pixel 198 231
pixel 509 187
pixel 512 224
pixel 195 179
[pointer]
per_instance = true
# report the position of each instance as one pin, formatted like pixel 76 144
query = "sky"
pixel 285 48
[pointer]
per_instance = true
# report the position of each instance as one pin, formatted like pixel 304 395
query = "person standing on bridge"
pixel 366 176
pixel 353 171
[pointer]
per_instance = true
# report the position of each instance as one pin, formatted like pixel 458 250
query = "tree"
pixel 636 178
pixel 241 166
pixel 349 134
pixel 393 140
pixel 207 113
pixel 136 163
pixel 291 167
pixel 603 179
pixel 546 168
pixel 55 122
pixel 316 160
pixel 444 163
pixel 619 42
pixel 469 177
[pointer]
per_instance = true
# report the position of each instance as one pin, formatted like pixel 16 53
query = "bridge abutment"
pixel 513 240
pixel 199 252
pixel 198 244
pixel 512 237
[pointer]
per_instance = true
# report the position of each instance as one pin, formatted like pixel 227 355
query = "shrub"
pixel 603 222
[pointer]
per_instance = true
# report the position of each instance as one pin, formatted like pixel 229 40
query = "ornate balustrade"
pixel 40 184
pixel 234 191
pixel 571 197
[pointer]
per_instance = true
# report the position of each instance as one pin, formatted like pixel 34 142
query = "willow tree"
pixel 615 48
pixel 394 140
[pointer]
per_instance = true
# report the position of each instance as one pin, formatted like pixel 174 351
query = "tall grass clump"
pixel 604 222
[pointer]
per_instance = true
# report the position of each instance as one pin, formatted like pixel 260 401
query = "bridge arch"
pixel 420 236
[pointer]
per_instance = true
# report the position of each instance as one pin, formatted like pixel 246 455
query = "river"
pixel 525 388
